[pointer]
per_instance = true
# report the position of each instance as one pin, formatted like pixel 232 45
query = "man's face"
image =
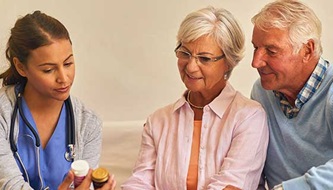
pixel 279 68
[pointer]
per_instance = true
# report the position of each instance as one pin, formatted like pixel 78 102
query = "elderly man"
pixel 295 88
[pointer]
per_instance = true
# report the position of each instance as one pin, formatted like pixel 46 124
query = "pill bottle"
pixel 80 169
pixel 99 177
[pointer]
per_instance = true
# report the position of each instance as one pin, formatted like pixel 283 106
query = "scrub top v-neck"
pixel 52 163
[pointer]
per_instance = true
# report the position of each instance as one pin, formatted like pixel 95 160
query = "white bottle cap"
pixel 80 167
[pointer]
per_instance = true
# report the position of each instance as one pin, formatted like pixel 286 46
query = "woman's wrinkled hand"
pixel 230 187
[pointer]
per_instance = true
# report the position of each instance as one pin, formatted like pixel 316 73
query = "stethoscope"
pixel 70 152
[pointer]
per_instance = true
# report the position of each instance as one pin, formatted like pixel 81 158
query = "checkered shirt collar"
pixel 306 93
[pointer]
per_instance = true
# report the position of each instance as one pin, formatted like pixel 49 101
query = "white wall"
pixel 126 66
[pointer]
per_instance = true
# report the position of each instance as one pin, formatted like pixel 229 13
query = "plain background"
pixel 126 67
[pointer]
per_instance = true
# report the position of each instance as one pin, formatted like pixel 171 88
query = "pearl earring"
pixel 225 77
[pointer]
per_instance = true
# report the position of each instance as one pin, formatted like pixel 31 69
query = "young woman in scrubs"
pixel 41 73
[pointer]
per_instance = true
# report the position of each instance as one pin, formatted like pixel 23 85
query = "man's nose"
pixel 258 59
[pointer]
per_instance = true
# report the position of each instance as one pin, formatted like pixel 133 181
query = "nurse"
pixel 37 113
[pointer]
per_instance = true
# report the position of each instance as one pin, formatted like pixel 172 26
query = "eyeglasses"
pixel 204 60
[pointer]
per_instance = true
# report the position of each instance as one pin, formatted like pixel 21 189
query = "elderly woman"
pixel 212 137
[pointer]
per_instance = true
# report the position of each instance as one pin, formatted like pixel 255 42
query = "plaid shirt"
pixel 306 93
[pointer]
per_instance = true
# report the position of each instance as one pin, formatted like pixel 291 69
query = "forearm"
pixel 317 178
pixel 143 173
pixel 10 174
pixel 13 182
pixel 92 145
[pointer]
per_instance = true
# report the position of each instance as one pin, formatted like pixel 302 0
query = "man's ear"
pixel 308 50
pixel 19 66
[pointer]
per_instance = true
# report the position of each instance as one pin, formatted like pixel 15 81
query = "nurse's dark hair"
pixel 30 32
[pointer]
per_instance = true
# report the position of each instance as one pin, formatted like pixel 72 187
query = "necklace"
pixel 188 100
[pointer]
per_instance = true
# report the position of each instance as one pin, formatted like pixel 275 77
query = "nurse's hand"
pixel 85 185
pixel 67 182
pixel 110 185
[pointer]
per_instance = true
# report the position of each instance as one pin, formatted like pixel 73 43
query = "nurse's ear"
pixel 20 68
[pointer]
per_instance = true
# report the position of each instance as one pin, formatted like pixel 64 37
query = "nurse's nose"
pixel 61 76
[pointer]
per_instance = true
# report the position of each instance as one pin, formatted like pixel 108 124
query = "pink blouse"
pixel 233 143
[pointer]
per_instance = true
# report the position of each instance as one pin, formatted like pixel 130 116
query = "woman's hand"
pixel 230 187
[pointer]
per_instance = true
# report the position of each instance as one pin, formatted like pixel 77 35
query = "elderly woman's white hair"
pixel 219 24
pixel 295 17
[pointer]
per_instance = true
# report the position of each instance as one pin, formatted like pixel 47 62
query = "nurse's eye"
pixel 47 70
pixel 68 64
